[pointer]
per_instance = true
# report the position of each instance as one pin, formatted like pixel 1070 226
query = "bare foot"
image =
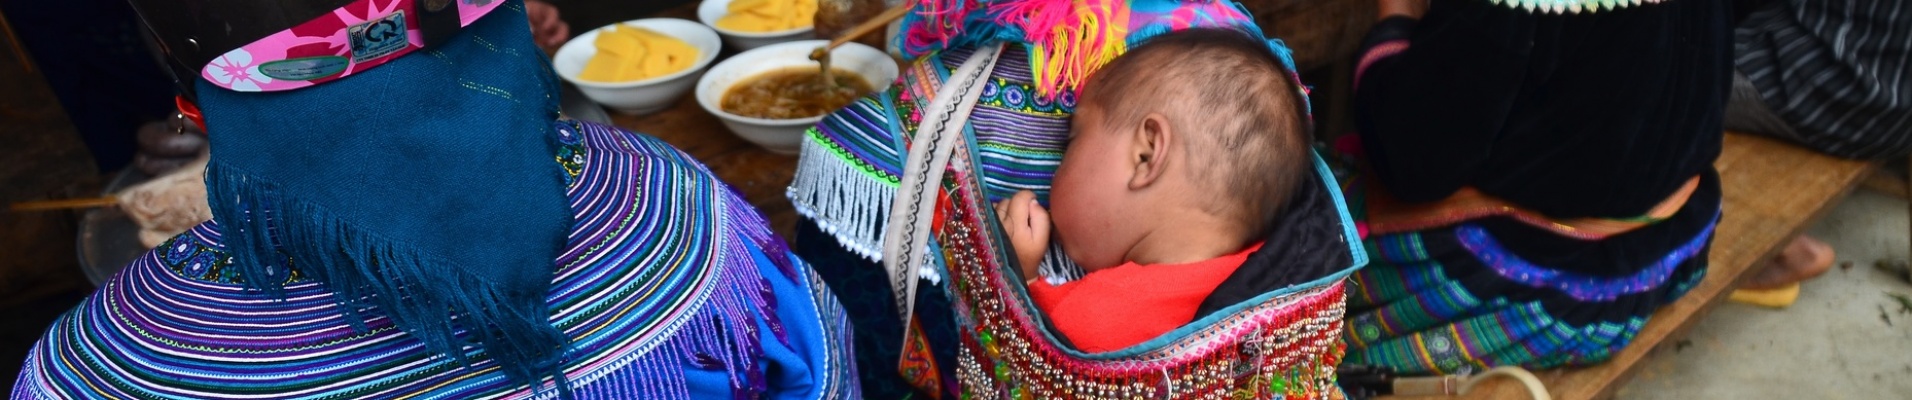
pixel 1802 259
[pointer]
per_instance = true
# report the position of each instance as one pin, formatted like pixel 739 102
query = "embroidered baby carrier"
pixel 1279 343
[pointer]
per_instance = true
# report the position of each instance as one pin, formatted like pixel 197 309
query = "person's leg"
pixel 1803 258
pixel 1746 112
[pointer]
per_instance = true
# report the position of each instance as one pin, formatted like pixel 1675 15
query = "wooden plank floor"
pixel 1773 192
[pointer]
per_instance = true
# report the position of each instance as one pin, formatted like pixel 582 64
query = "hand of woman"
pixel 546 29
pixel 1405 8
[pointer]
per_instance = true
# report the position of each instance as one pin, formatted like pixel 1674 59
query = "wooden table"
pixel 760 174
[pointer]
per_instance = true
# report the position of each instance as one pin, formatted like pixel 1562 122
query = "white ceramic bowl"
pixel 712 10
pixel 645 95
pixel 785 135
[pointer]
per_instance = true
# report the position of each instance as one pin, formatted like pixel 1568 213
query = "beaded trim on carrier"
pixel 1284 347
pixel 1571 6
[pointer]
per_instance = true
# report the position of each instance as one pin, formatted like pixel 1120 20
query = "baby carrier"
pixel 1267 332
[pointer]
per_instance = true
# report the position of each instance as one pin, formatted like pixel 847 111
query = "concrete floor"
pixel 1833 344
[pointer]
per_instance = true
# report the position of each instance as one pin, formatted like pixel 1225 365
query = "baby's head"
pixel 1196 136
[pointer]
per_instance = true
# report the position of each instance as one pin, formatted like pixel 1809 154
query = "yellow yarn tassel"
pixel 1073 51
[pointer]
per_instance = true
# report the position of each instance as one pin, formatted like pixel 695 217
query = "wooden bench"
pixel 1773 192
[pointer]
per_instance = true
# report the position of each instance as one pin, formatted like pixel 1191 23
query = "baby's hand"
pixel 1028 227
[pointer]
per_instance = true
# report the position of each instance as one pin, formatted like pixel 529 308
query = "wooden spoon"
pixel 66 204
pixel 822 54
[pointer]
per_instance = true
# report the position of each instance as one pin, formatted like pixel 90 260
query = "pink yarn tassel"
pixel 941 21
pixel 1069 39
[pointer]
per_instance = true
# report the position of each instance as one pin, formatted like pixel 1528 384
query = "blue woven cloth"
pixel 420 186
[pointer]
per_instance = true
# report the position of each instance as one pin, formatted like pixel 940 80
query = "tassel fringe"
pixel 845 201
pixel 424 294
pixel 1571 6
pixel 1068 38
pixel 937 22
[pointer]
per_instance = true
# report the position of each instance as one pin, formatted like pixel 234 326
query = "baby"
pixel 1181 154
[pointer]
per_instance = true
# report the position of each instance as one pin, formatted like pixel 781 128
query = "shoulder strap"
pixel 912 214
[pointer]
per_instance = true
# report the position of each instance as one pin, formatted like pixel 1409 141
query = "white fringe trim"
pixel 850 206
pixel 844 201
pixel 1571 6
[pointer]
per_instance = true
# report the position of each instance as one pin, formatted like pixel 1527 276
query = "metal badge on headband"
pixel 352 38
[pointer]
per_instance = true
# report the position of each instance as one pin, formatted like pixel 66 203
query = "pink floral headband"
pixel 350 39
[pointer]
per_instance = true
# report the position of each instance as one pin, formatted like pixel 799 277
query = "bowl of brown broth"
pixel 772 94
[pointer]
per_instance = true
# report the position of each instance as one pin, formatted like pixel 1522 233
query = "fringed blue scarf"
pixel 423 191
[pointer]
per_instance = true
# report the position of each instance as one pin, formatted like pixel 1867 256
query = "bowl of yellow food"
pixel 772 94
pixel 749 24
pixel 640 66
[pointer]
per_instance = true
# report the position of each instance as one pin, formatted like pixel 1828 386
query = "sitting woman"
pixel 1544 177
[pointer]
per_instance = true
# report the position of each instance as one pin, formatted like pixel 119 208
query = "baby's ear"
pixel 1153 139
